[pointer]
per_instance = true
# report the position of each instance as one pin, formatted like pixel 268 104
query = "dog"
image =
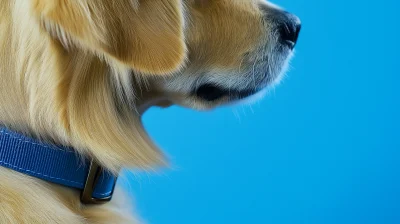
pixel 80 74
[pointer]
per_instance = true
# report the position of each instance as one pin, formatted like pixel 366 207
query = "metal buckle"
pixel 95 172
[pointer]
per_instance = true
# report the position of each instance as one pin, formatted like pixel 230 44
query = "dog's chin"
pixel 249 100
pixel 234 99
pixel 196 102
pixel 209 96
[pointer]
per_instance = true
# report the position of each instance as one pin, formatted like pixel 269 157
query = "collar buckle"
pixel 92 179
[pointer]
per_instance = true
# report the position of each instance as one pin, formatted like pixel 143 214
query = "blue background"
pixel 323 148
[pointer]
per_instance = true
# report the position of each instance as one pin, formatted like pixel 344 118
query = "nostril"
pixel 286 32
pixel 289 32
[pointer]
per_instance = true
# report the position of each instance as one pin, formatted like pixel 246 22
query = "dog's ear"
pixel 201 3
pixel 146 35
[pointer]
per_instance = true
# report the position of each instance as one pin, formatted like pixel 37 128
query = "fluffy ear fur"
pixel 101 119
pixel 146 35
pixel 76 87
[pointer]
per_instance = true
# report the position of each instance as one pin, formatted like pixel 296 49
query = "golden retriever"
pixel 81 74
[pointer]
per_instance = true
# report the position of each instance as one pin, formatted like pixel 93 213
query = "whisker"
pixel 252 74
pixel 237 115
pixel 251 109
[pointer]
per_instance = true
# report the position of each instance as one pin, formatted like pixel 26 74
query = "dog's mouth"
pixel 211 93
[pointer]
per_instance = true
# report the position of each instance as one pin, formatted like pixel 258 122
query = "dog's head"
pixel 236 49
pixel 123 56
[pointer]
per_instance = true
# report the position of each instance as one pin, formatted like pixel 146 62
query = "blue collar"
pixel 56 164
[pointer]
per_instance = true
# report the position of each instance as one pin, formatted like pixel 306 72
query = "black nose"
pixel 289 28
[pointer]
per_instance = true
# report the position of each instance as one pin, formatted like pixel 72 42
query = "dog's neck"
pixel 143 104
pixel 58 164
pixel 68 98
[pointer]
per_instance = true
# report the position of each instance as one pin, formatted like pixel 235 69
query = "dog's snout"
pixel 289 27
pixel 287 24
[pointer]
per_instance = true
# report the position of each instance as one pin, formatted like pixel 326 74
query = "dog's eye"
pixel 210 92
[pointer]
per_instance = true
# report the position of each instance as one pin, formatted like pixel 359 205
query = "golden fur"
pixel 81 73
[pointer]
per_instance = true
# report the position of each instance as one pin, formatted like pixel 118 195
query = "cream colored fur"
pixel 80 73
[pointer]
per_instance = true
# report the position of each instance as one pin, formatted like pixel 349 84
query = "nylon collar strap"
pixel 56 164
